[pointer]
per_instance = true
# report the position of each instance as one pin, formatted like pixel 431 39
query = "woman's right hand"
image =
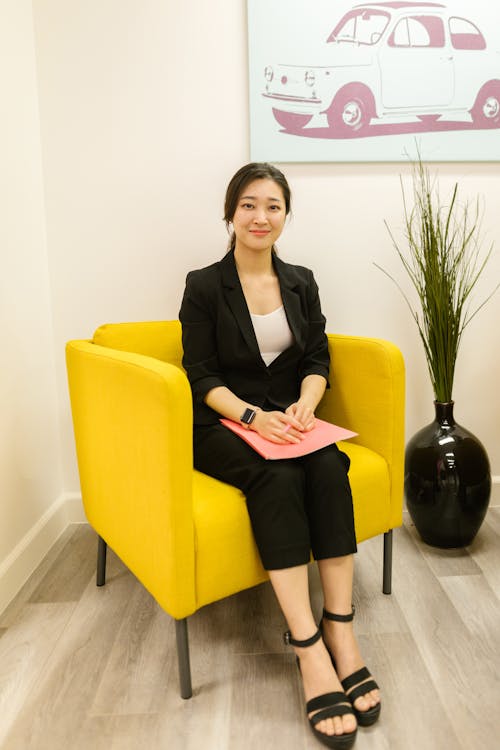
pixel 277 427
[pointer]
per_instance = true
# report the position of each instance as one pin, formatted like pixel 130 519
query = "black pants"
pixel 295 506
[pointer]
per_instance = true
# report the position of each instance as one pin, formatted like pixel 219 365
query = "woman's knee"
pixel 329 461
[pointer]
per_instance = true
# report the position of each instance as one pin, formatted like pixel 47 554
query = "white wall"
pixel 144 118
pixel 30 464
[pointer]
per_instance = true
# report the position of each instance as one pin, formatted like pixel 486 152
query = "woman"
pixel 256 352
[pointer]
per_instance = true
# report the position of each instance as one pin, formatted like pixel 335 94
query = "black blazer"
pixel 220 347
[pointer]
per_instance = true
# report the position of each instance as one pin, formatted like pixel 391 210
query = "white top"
pixel 273 334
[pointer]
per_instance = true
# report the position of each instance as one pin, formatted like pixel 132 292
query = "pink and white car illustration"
pixel 391 62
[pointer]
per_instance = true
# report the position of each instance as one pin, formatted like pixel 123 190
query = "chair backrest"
pixel 159 339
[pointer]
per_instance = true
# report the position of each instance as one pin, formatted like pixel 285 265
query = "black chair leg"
pixel 101 562
pixel 181 633
pixel 387 583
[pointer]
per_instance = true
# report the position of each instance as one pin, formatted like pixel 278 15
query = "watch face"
pixel 248 416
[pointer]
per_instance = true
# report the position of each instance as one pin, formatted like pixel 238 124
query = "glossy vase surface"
pixel 447 481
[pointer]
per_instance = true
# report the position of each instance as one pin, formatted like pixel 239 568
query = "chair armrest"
pixel 367 395
pixel 132 418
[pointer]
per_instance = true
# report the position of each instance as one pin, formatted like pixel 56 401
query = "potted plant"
pixel 447 472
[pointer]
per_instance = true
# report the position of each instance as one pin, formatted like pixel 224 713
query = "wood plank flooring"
pixel 86 668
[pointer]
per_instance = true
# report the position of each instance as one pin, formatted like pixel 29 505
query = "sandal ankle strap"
pixel 339 618
pixel 289 641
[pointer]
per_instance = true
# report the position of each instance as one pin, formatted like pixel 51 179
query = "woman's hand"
pixel 278 427
pixel 303 414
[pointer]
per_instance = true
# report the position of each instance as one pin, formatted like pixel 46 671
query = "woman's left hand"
pixel 303 414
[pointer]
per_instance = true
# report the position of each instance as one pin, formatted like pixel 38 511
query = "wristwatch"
pixel 248 416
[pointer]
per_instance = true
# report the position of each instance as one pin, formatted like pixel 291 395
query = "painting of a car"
pixel 387 62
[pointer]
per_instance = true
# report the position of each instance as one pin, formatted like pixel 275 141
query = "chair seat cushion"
pixel 226 556
pixel 371 490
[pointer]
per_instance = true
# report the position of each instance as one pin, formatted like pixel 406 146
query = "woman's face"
pixel 260 215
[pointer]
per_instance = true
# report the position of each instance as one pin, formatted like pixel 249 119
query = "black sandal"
pixel 354 682
pixel 327 705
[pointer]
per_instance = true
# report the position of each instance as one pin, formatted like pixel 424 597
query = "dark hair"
pixel 243 177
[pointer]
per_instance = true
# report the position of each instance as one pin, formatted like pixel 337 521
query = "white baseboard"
pixel 30 551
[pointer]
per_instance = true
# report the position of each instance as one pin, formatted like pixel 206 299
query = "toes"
pixel 367 701
pixel 373 697
pixel 337 725
pixel 349 723
pixel 326 727
pixel 362 703
pixel 321 727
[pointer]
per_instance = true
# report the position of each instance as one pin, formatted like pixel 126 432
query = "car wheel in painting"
pixel 351 112
pixel 486 110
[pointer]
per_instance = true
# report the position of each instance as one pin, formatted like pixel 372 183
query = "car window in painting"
pixel 464 35
pixel 418 31
pixel 360 27
pixel 400 37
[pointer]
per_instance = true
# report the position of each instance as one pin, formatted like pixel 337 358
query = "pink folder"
pixel 322 434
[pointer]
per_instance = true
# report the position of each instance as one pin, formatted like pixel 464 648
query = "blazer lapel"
pixel 289 283
pixel 237 302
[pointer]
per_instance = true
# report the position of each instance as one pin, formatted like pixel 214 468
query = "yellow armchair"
pixel 184 535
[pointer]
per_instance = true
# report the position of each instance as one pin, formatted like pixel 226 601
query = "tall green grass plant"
pixel 442 257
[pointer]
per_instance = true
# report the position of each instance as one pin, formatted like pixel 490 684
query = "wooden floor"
pixel 83 668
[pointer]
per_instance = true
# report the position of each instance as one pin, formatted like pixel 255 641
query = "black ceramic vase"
pixel 447 481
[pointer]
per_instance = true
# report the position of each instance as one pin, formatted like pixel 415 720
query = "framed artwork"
pixel 340 80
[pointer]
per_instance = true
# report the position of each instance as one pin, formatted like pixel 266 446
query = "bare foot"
pixel 318 677
pixel 341 642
